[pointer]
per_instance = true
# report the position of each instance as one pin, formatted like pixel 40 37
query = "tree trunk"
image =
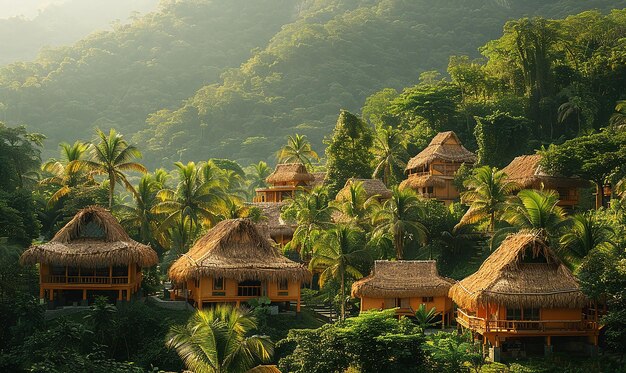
pixel 111 189
pixel 343 296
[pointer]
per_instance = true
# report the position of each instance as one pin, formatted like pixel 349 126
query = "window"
pixel 531 314
pixel 430 190
pixel 283 285
pixel 427 299
pixel 513 314
pixel 218 283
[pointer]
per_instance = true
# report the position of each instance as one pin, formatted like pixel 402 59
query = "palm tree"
pixel 111 156
pixel 585 234
pixel 426 318
pixel 389 154
pixel 256 178
pixel 487 196
pixel 195 202
pixel 398 218
pixel 139 215
pixel 64 175
pixel 618 119
pixel 297 150
pixel 534 210
pixel 335 255
pixel 311 212
pixel 217 340
pixel 355 207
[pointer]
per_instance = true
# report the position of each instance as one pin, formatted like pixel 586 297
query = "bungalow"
pixel 405 284
pixel 523 297
pixel 234 263
pixel 431 172
pixel 91 255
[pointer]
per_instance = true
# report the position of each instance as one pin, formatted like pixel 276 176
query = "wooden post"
pixel 300 294
pixel 128 292
pixel 84 294
pixel 119 294
pixel 51 294
pixel 66 275
pixel 111 275
pixel 129 274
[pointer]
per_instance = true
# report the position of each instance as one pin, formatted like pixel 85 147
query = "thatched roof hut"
pixel 290 172
pixel 273 224
pixel 421 181
pixel 402 279
pixel 236 249
pixel 526 171
pixel 509 277
pixel 320 179
pixel 93 238
pixel 372 188
pixel 446 147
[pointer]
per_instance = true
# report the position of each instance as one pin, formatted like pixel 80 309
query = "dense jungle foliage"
pixel 260 70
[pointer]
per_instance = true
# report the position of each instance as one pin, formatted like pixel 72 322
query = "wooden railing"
pixel 89 280
pixel 481 325
pixel 249 291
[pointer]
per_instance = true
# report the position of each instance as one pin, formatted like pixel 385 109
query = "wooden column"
pixel 84 294
pixel 298 303
pixel 119 294
pixel 111 275
pixel 128 292
pixel 199 301
pixel 51 294
pixel 129 274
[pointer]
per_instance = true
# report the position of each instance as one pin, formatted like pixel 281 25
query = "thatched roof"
pixel 505 279
pixel 445 146
pixel 372 187
pixel 236 249
pixel 416 181
pixel 273 224
pixel 402 279
pixel 93 238
pixel 527 172
pixel 320 178
pixel 289 172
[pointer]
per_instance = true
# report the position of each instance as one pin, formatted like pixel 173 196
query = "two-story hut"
pixel 286 179
pixel 405 285
pixel 522 298
pixel 233 263
pixel 431 172
pixel 91 255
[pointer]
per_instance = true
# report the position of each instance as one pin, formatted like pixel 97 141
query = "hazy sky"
pixel 26 8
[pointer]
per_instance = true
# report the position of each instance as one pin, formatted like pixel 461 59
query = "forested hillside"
pixel 115 79
pixel 323 55
pixel 22 35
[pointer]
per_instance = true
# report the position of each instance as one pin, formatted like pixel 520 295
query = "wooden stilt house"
pixel 405 284
pixel 431 172
pixel 91 255
pixel 284 182
pixel 234 263
pixel 522 298
pixel 526 171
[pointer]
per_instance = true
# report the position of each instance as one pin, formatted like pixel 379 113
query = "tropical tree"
pixel 335 255
pixel 297 150
pixel 256 178
pixel 534 210
pixel 585 234
pixel 398 218
pixel 140 215
pixel 354 206
pixel 389 154
pixel 312 214
pixel 426 318
pixel 195 202
pixel 618 119
pixel 65 175
pixel 487 196
pixel 112 156
pixel 218 340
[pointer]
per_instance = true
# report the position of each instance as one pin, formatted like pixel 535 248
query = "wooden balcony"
pixel 538 327
pixel 85 280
